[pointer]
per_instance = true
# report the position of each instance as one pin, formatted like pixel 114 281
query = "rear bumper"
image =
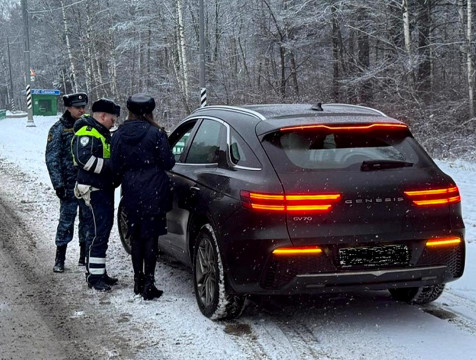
pixel 357 280
pixel 370 280
pixel 323 274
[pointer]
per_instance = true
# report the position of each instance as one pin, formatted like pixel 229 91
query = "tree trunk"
pixel 182 50
pixel 149 37
pixel 363 43
pixel 462 35
pixel 68 48
pixel 469 59
pixel 217 31
pixel 424 68
pixel 407 37
pixel 294 77
pixel 406 28
pixel 335 56
pixel 282 58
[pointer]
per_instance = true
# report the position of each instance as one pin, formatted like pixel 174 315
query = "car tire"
pixel 122 225
pixel 209 279
pixel 418 295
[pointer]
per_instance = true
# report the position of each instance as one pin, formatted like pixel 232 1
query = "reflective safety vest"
pixel 90 131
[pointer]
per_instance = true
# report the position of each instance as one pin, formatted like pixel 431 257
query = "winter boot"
pixel 150 291
pixel 98 283
pixel 82 254
pixel 109 280
pixel 138 283
pixel 60 257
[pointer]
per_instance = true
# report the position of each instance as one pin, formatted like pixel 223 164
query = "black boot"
pixel 109 280
pixel 150 291
pixel 138 283
pixel 60 257
pixel 82 254
pixel 98 283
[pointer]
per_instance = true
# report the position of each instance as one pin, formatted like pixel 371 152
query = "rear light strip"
pixel 453 240
pixel 338 127
pixel 289 203
pixel 440 196
pixel 304 250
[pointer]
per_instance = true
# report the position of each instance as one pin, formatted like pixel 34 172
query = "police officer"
pixel 59 162
pixel 91 151
pixel 140 155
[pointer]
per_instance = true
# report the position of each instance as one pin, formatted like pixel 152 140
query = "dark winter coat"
pixel 58 157
pixel 140 155
pixel 91 150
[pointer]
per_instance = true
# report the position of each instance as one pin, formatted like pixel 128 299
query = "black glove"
pixel 61 192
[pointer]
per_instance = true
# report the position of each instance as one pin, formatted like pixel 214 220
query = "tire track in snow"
pixel 303 340
pixel 458 308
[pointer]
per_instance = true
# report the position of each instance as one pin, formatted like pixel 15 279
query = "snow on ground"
pixel 341 326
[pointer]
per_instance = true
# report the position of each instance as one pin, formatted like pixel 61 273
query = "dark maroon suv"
pixel 292 199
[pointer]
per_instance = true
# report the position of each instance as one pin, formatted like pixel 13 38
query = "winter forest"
pixel 412 59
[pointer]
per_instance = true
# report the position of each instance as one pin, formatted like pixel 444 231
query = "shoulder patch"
pixel 84 140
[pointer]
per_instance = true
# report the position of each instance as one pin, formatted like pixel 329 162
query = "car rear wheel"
pixel 418 295
pixel 122 225
pixel 209 279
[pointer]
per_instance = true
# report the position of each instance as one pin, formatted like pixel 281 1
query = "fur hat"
pixel 107 106
pixel 140 104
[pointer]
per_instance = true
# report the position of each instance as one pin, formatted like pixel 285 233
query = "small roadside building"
pixel 45 101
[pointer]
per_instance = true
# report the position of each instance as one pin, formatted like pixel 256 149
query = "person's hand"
pixel 61 192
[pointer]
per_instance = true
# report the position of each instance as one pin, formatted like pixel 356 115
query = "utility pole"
pixel 203 89
pixel 26 34
pixel 12 92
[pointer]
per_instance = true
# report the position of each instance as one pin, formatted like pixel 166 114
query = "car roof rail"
pixel 233 108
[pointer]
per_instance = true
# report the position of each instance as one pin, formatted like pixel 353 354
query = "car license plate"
pixel 387 255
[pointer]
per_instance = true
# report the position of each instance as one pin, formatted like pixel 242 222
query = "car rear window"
pixel 318 149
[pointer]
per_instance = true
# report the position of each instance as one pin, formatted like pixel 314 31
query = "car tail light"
pixel 289 203
pixel 302 250
pixel 348 127
pixel 448 241
pixel 440 196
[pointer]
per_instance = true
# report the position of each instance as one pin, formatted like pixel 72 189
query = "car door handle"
pixel 194 188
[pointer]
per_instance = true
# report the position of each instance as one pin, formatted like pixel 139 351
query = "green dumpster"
pixel 45 101
pixel 3 114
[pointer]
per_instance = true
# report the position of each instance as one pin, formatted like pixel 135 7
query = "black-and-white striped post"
pixel 203 97
pixel 28 97
pixel 29 104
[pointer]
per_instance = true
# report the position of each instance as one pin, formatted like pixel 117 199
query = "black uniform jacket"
pixel 91 153
pixel 59 159
pixel 140 155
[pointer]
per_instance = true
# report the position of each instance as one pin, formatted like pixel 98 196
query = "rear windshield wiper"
pixel 373 165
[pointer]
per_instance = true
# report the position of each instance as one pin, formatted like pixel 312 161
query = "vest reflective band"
pixel 90 131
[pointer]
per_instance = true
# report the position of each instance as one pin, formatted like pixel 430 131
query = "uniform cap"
pixel 140 104
pixel 107 106
pixel 77 99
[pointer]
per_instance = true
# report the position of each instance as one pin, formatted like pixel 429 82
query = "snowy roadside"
pixel 363 325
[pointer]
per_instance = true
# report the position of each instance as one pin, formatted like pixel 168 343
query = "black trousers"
pixel 102 209
pixel 144 231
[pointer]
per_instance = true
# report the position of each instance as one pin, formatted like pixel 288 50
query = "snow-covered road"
pixel 344 326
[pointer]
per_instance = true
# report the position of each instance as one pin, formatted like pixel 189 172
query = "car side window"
pixel 179 138
pixel 207 143
pixel 240 152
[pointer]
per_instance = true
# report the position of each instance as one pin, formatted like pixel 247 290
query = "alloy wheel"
pixel 205 272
